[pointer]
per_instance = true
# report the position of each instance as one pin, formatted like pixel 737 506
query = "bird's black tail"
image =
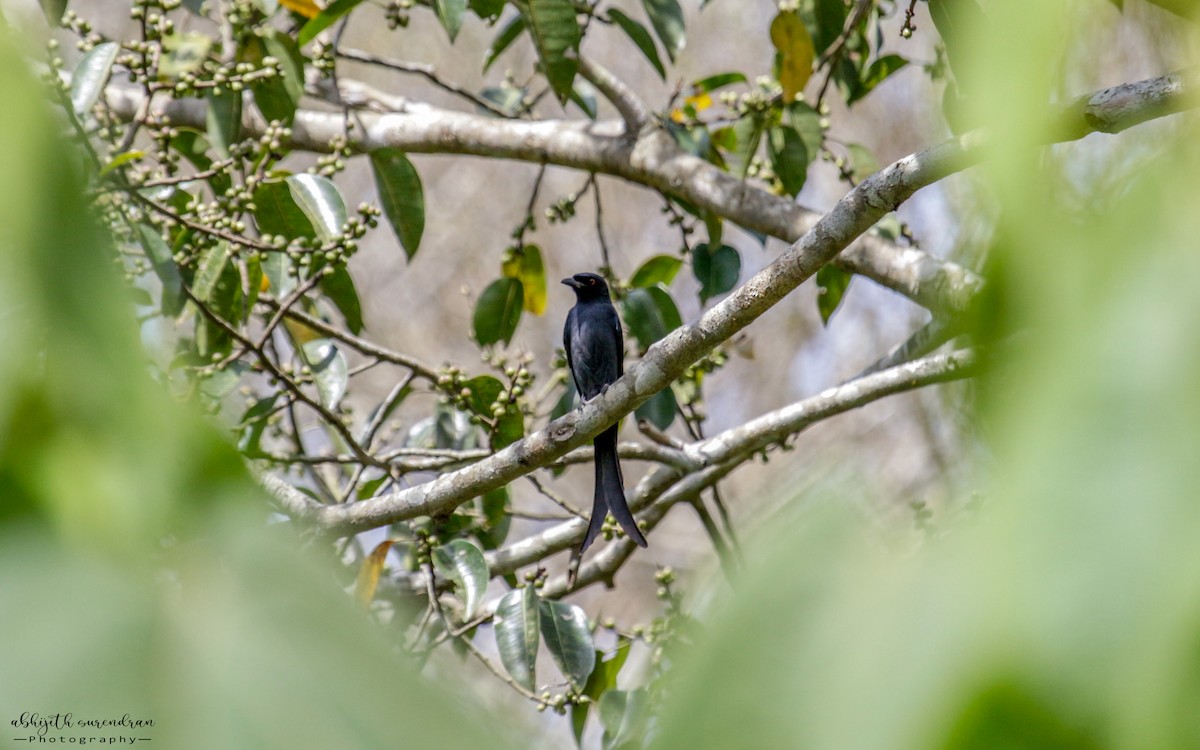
pixel 610 492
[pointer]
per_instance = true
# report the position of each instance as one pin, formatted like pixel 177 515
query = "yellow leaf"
pixel 301 333
pixel 790 36
pixel 526 265
pixel 368 574
pixel 677 116
pixel 306 8
pixel 699 102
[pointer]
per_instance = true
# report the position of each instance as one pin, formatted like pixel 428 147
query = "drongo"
pixel 595 350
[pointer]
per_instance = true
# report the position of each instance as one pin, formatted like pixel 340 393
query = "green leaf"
pixel 748 132
pixel 650 314
pixel 526 265
pixel 660 409
pixel 499 311
pixel 227 301
pixel 660 269
pixel 832 283
pixel 830 16
pixel 789 158
pixel 516 629
pixel 640 37
pixel 496 519
pixel 90 75
pixel 209 269
pixel 401 195
pixel 121 160
pixel 450 13
pixel 720 80
pixel 324 20
pixel 54 10
pixel 790 36
pixel 555 32
pixel 488 10
pixel 507 97
pixel 339 287
pixel 277 97
pixel 807 122
pixel 875 75
pixel 569 640
pixel 862 162
pixel 503 40
pixel 667 19
pixel 183 53
pixel 716 270
pixel 224 119
pixel 163 262
pixel 584 95
pixel 321 202
pixel 485 390
pixel 621 714
pixel 329 370
pixel 463 563
pixel 953 20
pixel 602 679
pixel 276 212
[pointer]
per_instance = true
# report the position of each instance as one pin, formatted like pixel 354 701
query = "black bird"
pixel 595 354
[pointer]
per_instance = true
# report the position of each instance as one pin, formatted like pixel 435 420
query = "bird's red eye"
pixel 591 282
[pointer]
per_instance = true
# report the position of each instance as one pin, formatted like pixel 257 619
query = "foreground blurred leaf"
pixel 623 714
pixel 569 640
pixel 400 193
pixel 517 630
pixel 463 563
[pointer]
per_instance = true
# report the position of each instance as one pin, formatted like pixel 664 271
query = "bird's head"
pixel 587 286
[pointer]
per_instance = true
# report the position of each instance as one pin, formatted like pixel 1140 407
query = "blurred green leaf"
pixel 400 192
pixel 90 76
pixel 54 10
pixel 716 270
pixel 805 121
pixel 555 33
pixel 503 40
pixel 163 262
pixel 325 19
pixel 640 37
pixel 508 98
pixel 463 563
pixel 526 265
pixel 510 427
pixel 862 162
pixel 450 13
pixel 183 53
pixel 224 119
pixel 278 96
pixel 329 370
pixel 498 311
pixel 667 19
pixel 791 38
pixel 622 714
pixel 718 81
pixel 488 10
pixel 494 507
pixel 583 94
pixel 565 630
pixel 517 632
pixel 789 158
pixel 121 160
pixel 747 131
pixel 876 74
pixel 320 201
pixel 660 269
pixel 660 409
pixel 339 287
pixel 830 16
pixel 209 269
pixel 832 283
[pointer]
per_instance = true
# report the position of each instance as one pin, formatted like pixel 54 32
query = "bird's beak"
pixel 571 282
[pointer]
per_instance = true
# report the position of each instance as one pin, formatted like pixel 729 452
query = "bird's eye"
pixel 591 282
